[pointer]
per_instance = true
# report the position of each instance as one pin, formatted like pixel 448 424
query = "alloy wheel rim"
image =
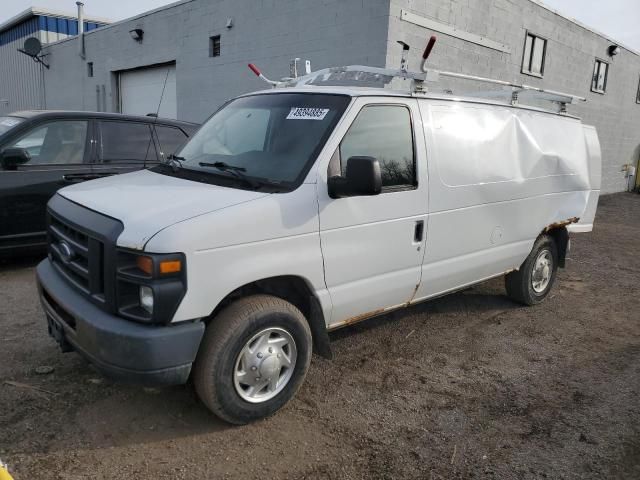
pixel 265 365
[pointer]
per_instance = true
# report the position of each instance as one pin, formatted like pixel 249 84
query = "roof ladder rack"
pixel 414 82
pixel 561 98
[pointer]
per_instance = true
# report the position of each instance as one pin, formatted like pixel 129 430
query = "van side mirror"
pixel 10 158
pixel 362 178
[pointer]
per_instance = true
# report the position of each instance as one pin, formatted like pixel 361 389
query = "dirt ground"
pixel 467 386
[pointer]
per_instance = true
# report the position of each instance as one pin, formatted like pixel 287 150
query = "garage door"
pixel 141 91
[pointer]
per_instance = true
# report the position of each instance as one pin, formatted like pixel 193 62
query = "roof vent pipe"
pixel 80 28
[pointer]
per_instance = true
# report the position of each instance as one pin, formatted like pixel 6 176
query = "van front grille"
pixel 77 256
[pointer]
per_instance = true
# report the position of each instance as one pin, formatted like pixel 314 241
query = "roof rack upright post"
pixel 293 68
pixel 403 60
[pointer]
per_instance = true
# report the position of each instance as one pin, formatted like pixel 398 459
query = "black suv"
pixel 42 151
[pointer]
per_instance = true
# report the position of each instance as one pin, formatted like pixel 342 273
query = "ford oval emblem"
pixel 66 252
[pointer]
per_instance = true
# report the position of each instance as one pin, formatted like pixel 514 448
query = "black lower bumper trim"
pixel 121 349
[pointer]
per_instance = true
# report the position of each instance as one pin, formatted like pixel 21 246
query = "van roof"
pixel 384 92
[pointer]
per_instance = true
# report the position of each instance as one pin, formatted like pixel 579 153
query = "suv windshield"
pixel 7 123
pixel 264 139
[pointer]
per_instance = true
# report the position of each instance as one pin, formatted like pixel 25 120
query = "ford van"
pixel 296 211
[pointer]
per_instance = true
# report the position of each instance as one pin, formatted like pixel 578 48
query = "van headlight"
pixel 150 286
pixel 146 299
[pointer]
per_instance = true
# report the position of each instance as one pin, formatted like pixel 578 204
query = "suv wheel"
pixel 533 281
pixel 253 358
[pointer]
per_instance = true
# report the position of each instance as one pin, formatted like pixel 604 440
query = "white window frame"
pixel 528 52
pixel 597 65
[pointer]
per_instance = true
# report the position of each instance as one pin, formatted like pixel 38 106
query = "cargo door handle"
pixel 419 231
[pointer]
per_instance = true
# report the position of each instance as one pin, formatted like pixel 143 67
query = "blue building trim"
pixel 66 26
pixel 24 29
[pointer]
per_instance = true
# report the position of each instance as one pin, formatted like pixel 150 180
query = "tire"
pixel 224 362
pixel 522 286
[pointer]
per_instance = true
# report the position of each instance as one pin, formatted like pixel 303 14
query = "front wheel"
pixel 253 358
pixel 533 281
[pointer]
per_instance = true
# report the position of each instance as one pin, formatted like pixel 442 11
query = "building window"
pixel 600 76
pixel 638 95
pixel 90 69
pixel 535 51
pixel 214 46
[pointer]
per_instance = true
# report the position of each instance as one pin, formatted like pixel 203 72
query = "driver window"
pixel 383 132
pixel 54 143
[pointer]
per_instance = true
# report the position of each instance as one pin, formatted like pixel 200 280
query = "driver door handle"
pixel 418 233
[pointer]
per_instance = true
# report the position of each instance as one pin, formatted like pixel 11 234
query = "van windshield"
pixel 268 138
pixel 7 123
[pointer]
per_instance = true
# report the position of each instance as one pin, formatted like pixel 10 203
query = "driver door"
pixel 373 245
pixel 60 156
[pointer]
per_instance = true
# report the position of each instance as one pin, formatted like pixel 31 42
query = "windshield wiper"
pixel 237 172
pixel 175 162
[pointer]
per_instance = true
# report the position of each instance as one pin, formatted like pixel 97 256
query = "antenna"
pixel 155 116
pixel 32 48
pixel 293 68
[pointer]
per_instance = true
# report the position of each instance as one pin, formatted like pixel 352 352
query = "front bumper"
pixel 121 349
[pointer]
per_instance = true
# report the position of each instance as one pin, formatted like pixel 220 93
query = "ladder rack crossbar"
pixel 561 97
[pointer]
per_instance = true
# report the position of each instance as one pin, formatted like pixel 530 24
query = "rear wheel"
pixel 253 358
pixel 533 281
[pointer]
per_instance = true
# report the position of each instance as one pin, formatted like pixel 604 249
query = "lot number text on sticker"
pixel 301 113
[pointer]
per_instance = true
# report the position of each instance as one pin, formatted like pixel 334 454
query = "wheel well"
pixel 560 236
pixel 290 288
pixel 294 290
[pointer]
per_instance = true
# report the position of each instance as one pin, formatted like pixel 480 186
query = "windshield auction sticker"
pixel 301 113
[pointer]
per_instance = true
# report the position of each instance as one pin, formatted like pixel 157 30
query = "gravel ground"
pixel 467 386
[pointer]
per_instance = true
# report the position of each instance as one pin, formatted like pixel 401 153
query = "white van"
pixel 296 211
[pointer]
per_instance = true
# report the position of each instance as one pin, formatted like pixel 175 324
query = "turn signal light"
pixel 145 264
pixel 170 266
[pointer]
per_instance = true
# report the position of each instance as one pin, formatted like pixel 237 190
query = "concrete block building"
pixel 22 83
pixel 184 60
